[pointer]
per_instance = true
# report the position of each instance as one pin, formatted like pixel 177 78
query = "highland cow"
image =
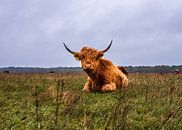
pixel 103 75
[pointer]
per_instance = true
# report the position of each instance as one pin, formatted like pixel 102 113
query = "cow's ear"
pixel 100 55
pixel 77 56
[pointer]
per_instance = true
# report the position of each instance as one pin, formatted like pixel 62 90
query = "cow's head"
pixel 89 57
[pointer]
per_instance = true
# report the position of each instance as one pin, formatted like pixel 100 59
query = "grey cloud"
pixel 144 32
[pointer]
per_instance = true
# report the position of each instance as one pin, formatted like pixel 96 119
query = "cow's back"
pixel 112 74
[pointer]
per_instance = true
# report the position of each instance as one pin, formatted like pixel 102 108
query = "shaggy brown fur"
pixel 103 75
pixel 107 78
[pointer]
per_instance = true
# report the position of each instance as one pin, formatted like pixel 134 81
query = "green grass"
pixel 56 101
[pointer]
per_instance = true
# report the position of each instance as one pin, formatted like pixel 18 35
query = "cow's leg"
pixel 88 85
pixel 108 87
pixel 86 88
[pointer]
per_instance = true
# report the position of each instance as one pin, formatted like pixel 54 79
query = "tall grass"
pixel 56 101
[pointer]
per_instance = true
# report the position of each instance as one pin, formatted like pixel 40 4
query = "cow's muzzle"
pixel 88 68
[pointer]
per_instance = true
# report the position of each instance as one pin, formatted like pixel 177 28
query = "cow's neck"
pixel 92 75
pixel 101 70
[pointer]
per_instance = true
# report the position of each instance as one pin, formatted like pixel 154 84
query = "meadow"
pixel 56 102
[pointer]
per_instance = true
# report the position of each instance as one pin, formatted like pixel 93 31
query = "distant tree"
pixel 6 71
pixel 177 71
pixel 51 72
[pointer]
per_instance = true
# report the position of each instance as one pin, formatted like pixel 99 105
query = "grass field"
pixel 56 101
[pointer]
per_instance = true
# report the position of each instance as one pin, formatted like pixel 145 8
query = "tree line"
pixel 130 69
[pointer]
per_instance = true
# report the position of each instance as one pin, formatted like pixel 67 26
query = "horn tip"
pixel 111 41
pixel 64 45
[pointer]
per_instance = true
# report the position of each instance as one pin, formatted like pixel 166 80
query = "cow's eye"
pixel 82 57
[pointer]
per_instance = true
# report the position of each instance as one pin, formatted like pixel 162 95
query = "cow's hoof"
pixel 86 90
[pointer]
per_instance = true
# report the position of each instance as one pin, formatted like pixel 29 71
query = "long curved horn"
pixel 72 52
pixel 103 51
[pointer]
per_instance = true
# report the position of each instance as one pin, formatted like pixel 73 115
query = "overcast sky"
pixel 144 32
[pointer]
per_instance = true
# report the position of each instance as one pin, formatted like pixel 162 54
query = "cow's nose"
pixel 88 67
